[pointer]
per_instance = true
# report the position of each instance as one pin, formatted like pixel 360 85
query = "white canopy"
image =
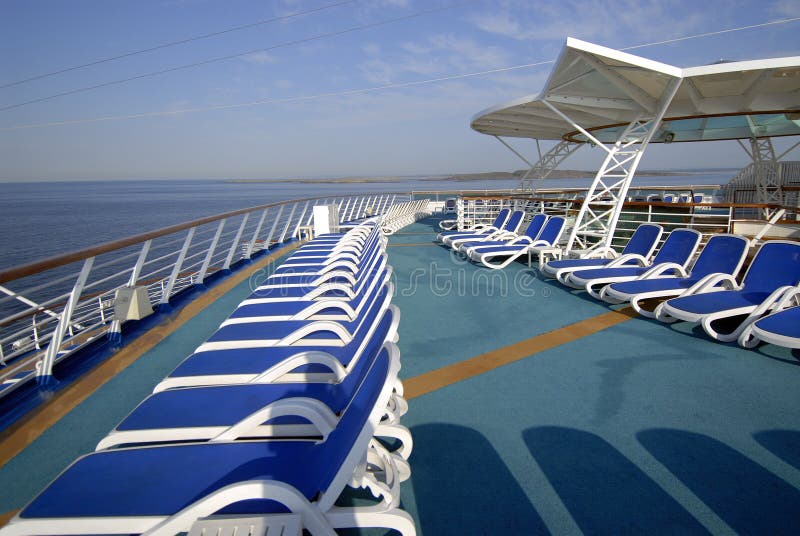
pixel 603 89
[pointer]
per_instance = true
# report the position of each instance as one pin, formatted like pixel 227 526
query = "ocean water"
pixel 42 219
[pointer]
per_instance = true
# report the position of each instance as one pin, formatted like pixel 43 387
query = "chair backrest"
pixel 723 254
pixel 698 198
pixel 535 226
pixel 501 218
pixel 679 247
pixel 777 263
pixel 669 198
pixel 644 240
pixel 350 439
pixel 552 230
pixel 514 221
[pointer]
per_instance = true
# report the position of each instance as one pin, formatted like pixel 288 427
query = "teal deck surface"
pixel 640 428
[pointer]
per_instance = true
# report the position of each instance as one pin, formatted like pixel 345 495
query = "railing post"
pixel 35 338
pixel 274 226
pixel 300 220
pixel 235 243
pixel 176 270
pixel 251 246
pixel 115 330
pixel 288 223
pixel 343 217
pixel 44 369
pixel 201 275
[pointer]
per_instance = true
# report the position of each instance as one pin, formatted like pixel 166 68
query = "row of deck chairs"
pixel 499 244
pixel 295 397
pixel 403 214
pixel 763 307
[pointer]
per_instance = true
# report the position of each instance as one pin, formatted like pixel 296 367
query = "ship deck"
pixel 533 409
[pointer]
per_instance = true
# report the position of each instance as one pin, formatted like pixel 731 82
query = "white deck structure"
pixel 622 102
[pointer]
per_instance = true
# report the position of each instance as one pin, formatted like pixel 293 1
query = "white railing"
pixel 51 308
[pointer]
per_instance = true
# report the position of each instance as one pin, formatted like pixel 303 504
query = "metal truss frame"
pixel 547 163
pixel 597 219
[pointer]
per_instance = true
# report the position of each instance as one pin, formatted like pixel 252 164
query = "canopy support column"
pixel 597 219
pixel 766 172
pixel 546 164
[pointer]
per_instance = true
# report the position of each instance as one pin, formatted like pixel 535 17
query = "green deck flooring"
pixel 641 428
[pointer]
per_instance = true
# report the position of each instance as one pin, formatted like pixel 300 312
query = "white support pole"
pixel 288 223
pixel 300 219
pixel 44 369
pixel 116 326
pixel 201 276
pixel 599 213
pixel 176 269
pixel 362 207
pixel 765 170
pixel 236 241
pixel 546 164
pixel 137 268
pixel 343 213
pixel 252 245
pixel 274 226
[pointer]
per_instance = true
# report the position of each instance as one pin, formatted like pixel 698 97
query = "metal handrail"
pixel 50 309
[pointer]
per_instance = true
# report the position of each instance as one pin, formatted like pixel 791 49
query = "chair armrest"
pixel 710 282
pixel 604 252
pixel 624 259
pixel 661 269
pixel 521 240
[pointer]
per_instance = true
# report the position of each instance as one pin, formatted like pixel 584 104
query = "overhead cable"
pixel 367 89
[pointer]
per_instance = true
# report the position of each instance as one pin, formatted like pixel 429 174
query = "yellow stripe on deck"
pixel 475 366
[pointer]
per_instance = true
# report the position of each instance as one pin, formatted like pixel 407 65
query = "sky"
pixel 302 92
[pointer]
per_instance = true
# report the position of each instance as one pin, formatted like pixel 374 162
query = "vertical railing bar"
pixel 300 220
pixel 343 213
pixel 251 246
pixel 201 275
pixel 137 268
pixel 235 243
pixel 274 226
pixel 176 270
pixel 360 210
pixel 288 224
pixel 45 367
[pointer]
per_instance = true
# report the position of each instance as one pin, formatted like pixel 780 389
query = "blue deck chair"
pixel 510 228
pixel 320 265
pixel 781 328
pixel 329 286
pixel 355 236
pixel 674 255
pixel 548 237
pixel 284 363
pixel 167 489
pixel 319 248
pixel 247 411
pixel 282 285
pixel 337 309
pixel 256 333
pixel 773 275
pixel 636 253
pixel 310 275
pixel 532 231
pixel 481 228
pixel 722 257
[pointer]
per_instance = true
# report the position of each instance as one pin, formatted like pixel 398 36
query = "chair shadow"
pixel 785 444
pixel 604 491
pixel 750 499
pixel 462 486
